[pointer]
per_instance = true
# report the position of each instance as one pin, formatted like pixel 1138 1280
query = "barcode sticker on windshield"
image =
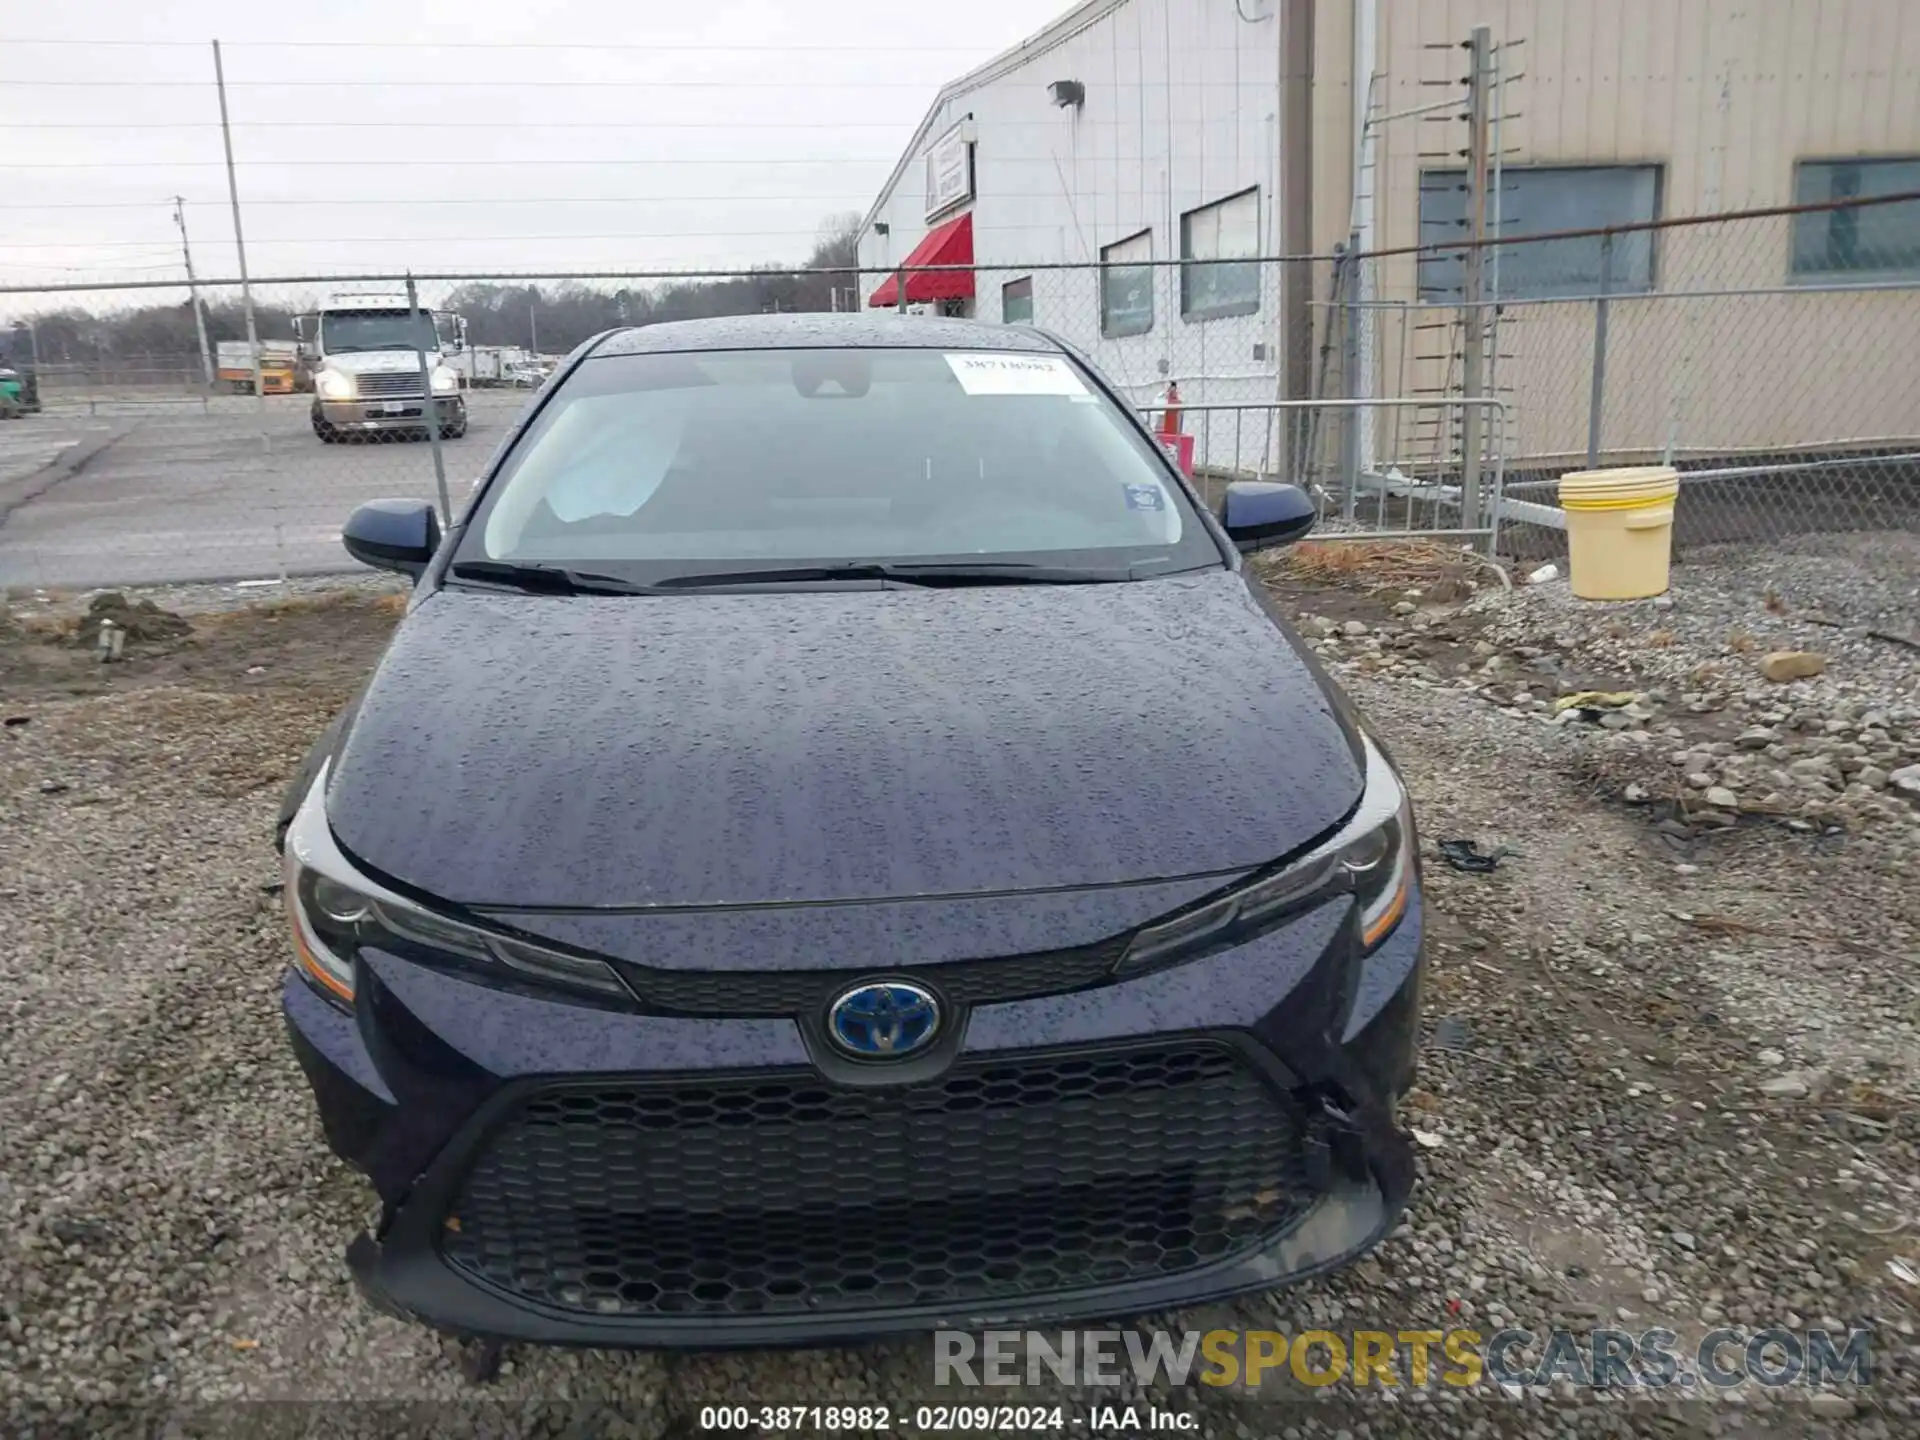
pixel 981 373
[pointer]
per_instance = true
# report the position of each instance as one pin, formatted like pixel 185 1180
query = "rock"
pixel 1781 666
pixel 54 787
pixel 1790 1086
pixel 141 620
pixel 1771 1057
pixel 1906 779
pixel 1405 607
pixel 1829 1406
pixel 1354 627
pixel 1317 627
pixel 1700 779
pixel 1635 794
pixel 1757 738
pixel 1722 798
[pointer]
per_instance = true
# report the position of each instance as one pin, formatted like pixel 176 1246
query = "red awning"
pixel 948 244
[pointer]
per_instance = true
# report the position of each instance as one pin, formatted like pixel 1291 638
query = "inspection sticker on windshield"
pixel 1146 497
pixel 1002 374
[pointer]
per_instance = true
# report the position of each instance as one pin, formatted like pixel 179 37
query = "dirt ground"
pixel 1602 1127
pixel 324 645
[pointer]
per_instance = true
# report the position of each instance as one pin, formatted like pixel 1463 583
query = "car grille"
pixel 795 992
pixel 779 1193
pixel 389 385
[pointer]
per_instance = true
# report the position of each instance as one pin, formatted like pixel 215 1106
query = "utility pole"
pixel 193 290
pixel 429 406
pixel 533 328
pixel 1474 359
pixel 239 240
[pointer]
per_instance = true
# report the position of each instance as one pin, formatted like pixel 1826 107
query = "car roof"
pixel 883 330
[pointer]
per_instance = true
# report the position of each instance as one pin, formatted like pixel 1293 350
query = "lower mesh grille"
pixel 780 1194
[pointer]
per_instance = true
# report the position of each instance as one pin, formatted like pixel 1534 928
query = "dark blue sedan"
pixel 838 846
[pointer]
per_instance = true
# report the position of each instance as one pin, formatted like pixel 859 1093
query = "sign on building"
pixel 950 169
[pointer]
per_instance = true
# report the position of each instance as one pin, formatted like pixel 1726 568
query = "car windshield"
pixel 656 466
pixel 377 330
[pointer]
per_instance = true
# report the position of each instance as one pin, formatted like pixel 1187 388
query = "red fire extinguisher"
pixel 1170 417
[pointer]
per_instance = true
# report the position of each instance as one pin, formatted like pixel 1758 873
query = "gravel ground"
pixel 209 599
pixel 1669 1076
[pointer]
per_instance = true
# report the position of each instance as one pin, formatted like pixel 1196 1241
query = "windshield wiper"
pixel 549 578
pixel 963 572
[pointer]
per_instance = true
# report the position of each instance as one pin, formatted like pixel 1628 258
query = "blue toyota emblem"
pixel 884 1019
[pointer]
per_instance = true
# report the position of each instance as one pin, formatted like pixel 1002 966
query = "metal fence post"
pixel 1597 394
pixel 428 408
pixel 1473 350
pixel 1350 377
pixel 900 289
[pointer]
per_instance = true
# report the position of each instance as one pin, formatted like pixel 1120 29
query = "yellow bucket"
pixel 1619 530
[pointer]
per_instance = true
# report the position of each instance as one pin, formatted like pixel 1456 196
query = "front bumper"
pixel 396 413
pixel 421 1087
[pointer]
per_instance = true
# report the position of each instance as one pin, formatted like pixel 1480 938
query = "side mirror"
pixel 1259 514
pixel 300 328
pixel 393 535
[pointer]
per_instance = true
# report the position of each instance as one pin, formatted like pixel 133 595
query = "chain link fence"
pixel 1770 356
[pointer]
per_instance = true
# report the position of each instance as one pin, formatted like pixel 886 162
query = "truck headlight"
pixel 333 911
pixel 334 385
pixel 445 380
pixel 1371 858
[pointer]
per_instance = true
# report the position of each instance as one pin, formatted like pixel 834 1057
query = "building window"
pixel 1016 301
pixel 1878 240
pixel 1218 243
pixel 1534 199
pixel 1126 286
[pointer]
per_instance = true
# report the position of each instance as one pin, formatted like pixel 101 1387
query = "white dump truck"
pixel 364 349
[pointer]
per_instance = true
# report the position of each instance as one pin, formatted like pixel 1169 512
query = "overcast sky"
pixel 645 135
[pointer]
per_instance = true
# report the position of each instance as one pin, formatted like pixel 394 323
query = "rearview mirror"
pixel 1259 514
pixel 393 535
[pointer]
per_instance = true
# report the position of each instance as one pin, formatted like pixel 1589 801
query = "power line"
pixel 646 47
pixel 497 124
pixel 532 161
pixel 807 232
pixel 440 163
pixel 802 230
pixel 811 196
pixel 515 45
pixel 639 83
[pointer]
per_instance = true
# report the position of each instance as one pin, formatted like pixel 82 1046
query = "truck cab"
pixel 364 350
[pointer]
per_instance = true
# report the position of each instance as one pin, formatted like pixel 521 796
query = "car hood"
pixel 807 746
pixel 380 362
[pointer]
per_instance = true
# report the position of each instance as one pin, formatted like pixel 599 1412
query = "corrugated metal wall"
pixel 1726 96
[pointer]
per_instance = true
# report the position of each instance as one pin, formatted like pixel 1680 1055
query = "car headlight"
pixel 333 911
pixel 1370 858
pixel 445 380
pixel 334 385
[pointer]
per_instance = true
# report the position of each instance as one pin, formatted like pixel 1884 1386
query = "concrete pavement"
pixel 210 490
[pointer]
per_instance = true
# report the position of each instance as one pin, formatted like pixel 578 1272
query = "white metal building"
pixel 1213 130
pixel 1126 131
